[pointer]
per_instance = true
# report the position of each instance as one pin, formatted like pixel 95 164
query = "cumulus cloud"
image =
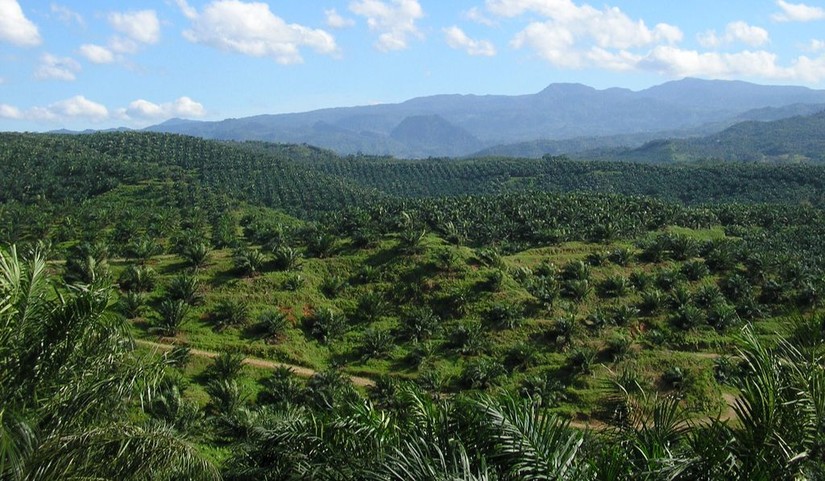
pixel 573 35
pixel 250 28
pixel 144 109
pixel 335 20
pixel 798 12
pixel 67 15
pixel 394 21
pixel 133 29
pixel 96 53
pixel 56 68
pixel 456 38
pixel 681 63
pixel 140 26
pixel 77 107
pixel 15 28
pixel 81 108
pixel 735 32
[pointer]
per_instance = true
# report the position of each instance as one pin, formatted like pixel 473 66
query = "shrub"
pixel 371 306
pixel 248 261
pixel 621 257
pixel 614 286
pixel 230 313
pixel 281 387
pixel 419 324
pixel 133 304
pixel 331 286
pixel 326 326
pixel 376 343
pixel 172 314
pixel 272 324
pixel 138 278
pixel 294 282
pixel 582 359
pixel 226 366
pixel 469 338
pixel 623 315
pixel 186 288
pixel 286 258
pixel 505 316
pixel 482 373
pixel 196 254
pixel 695 270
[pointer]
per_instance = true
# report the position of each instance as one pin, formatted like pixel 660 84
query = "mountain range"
pixel 562 118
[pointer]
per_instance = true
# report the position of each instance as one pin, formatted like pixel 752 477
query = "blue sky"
pixel 98 63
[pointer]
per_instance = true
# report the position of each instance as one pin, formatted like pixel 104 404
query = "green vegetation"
pixel 523 332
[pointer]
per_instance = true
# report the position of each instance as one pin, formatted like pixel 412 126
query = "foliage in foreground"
pixel 70 380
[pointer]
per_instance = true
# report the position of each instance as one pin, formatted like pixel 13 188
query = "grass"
pixel 654 345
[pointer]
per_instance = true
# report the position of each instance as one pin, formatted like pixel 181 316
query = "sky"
pixel 98 64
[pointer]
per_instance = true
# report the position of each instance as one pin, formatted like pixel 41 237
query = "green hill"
pixel 798 139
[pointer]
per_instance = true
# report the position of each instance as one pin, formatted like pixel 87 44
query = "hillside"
pixel 559 112
pixel 791 140
pixel 244 308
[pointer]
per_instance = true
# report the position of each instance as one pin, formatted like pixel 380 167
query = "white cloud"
pixel 144 109
pixel 96 53
pixel 335 20
pixel 10 112
pixel 56 68
pixel 808 69
pixel 798 12
pixel 140 26
pixel 815 45
pixel 252 29
pixel 735 32
pixel 67 15
pixel 393 20
pixel 15 28
pixel 456 38
pixel 684 63
pixel 474 14
pixel 79 107
pixel 576 36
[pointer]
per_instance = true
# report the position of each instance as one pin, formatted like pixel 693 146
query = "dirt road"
pixel 255 362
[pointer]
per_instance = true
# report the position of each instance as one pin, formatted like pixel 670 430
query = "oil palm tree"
pixel 71 380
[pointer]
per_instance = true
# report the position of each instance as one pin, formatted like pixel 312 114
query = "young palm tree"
pixel 70 381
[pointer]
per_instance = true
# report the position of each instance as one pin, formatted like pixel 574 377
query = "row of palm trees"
pixel 776 434
pixel 76 401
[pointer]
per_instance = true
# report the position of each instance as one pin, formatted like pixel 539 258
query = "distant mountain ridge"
pixel 457 125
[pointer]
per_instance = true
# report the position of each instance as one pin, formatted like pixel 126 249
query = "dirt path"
pixel 255 362
pixel 726 415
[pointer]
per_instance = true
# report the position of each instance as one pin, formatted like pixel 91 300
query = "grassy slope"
pixel 655 345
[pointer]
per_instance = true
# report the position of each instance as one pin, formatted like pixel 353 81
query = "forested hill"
pixel 795 139
pixel 305 180
pixel 697 183
pixel 61 168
